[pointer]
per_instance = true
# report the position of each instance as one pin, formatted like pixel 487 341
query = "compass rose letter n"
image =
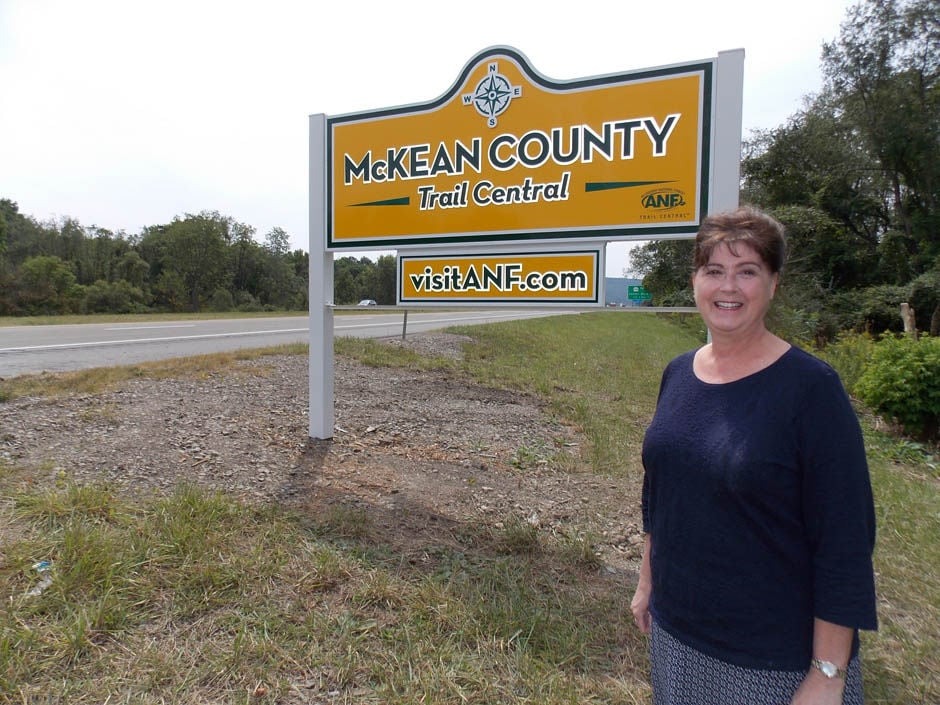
pixel 492 95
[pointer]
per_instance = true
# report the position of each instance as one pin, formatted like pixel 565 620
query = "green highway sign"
pixel 638 293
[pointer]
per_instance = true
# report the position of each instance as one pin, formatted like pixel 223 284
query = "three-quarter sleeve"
pixel 838 506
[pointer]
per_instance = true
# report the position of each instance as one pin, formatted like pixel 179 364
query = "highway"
pixel 58 348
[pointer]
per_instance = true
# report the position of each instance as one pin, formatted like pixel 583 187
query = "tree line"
pixel 201 262
pixel 855 178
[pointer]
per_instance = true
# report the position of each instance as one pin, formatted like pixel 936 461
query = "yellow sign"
pixel 547 277
pixel 509 155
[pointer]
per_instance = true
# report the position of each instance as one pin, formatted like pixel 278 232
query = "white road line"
pixel 423 321
pixel 177 325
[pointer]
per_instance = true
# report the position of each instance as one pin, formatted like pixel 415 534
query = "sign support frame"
pixel 321 418
pixel 725 180
pixel 723 185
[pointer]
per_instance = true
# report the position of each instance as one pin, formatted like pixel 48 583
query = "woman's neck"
pixel 740 346
pixel 728 358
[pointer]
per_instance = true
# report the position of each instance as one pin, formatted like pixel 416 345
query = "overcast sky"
pixel 123 113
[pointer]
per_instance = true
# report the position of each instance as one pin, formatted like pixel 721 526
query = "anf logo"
pixel 492 95
pixel 663 199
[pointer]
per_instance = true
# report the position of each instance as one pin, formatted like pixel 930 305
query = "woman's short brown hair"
pixel 746 224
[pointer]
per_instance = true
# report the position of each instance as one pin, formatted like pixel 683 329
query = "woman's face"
pixel 732 292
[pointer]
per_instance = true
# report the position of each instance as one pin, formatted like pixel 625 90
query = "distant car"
pixel 367 302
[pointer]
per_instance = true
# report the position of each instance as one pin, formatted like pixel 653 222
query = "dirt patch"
pixel 419 452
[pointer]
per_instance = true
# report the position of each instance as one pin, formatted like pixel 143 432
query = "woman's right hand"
pixel 640 605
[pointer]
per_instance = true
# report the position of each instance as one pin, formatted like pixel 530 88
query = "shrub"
pixel 114 297
pixel 794 324
pixel 849 356
pixel 903 382
pixel 247 303
pixel 875 310
pixel 221 300
pixel 47 285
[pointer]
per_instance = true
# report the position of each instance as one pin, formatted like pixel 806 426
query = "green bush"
pixel 793 324
pixel 874 310
pixel 902 381
pixel 247 303
pixel 850 355
pixel 221 300
pixel 114 297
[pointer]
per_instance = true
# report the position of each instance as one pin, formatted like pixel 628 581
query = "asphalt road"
pixel 57 348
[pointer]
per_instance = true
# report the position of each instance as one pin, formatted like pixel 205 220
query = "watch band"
pixel 828 669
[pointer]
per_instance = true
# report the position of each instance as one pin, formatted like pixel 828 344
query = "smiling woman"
pixel 757 505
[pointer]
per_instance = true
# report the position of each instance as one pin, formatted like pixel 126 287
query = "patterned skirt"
pixel 683 676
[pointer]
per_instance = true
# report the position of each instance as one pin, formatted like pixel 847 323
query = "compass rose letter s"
pixel 492 95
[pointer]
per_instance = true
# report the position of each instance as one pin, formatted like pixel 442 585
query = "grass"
pixel 596 369
pixel 196 598
pixel 903 658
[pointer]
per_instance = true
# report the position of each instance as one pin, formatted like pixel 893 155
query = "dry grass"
pixel 100 379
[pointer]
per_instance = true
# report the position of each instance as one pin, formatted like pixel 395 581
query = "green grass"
pixel 375 354
pixel 197 598
pixel 903 658
pixel 596 369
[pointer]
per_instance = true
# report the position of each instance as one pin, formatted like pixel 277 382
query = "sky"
pixel 123 114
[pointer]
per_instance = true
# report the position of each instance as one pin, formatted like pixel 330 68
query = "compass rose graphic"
pixel 492 95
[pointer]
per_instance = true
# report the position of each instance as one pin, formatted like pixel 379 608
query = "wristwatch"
pixel 828 669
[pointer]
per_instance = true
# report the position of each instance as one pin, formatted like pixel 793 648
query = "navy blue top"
pixel 758 502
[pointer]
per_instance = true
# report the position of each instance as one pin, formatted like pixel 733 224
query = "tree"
pixel 925 298
pixel 196 258
pixel 24 236
pixel 815 161
pixel 883 72
pixel 385 281
pixel 248 268
pixel 299 262
pixel 3 235
pixel 47 286
pixel 277 242
pixel 825 251
pixel 133 269
pixel 353 280
pixel 666 268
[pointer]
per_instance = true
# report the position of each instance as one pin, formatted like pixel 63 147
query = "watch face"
pixel 829 670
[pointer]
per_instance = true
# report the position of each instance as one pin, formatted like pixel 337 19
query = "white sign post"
pixel 320 291
pixel 729 96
